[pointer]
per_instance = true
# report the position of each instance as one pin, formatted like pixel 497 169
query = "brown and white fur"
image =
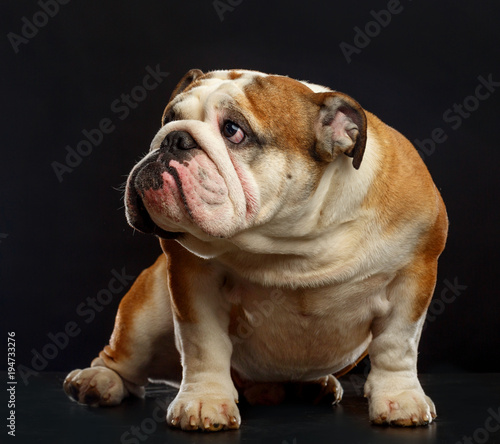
pixel 288 254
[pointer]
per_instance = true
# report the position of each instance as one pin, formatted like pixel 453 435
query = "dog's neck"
pixel 312 234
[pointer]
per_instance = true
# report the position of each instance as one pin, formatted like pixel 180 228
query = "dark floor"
pixel 468 406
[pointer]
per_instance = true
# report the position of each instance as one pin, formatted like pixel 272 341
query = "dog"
pixel 299 234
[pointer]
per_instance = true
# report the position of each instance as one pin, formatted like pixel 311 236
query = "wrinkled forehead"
pixel 224 81
pixel 210 91
pixel 253 90
pixel 236 77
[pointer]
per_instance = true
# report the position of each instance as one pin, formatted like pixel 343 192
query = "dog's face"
pixel 239 149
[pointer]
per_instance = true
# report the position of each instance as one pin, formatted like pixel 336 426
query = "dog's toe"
pixel 95 386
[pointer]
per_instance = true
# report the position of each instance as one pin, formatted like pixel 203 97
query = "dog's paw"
pixel 95 386
pixel 191 411
pixel 324 390
pixel 405 409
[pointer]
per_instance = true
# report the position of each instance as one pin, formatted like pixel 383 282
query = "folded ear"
pixel 188 78
pixel 341 127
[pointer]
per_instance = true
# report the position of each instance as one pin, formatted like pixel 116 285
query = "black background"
pixel 61 240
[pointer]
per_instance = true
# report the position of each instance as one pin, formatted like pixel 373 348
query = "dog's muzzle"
pixel 188 183
pixel 175 145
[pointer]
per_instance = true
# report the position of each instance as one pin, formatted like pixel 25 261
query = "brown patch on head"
pixel 233 75
pixel 285 112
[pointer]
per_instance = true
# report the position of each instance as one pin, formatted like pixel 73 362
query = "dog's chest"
pixel 302 333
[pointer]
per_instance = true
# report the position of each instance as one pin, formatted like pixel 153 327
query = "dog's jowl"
pixel 299 233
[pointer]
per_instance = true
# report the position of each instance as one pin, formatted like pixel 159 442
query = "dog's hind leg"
pixel 141 348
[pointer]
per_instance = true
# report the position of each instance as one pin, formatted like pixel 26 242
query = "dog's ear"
pixel 188 78
pixel 341 127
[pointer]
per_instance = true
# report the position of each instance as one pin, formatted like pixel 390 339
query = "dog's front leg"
pixel 207 396
pixel 393 390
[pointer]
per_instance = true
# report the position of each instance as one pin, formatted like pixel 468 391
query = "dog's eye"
pixel 233 132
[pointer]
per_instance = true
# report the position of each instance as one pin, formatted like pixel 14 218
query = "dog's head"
pixel 239 149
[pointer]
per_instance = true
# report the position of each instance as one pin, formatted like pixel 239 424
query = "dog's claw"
pixel 192 423
pixel 233 422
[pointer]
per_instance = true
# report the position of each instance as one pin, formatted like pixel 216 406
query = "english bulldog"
pixel 299 233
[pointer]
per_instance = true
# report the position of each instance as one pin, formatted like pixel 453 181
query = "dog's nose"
pixel 178 140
